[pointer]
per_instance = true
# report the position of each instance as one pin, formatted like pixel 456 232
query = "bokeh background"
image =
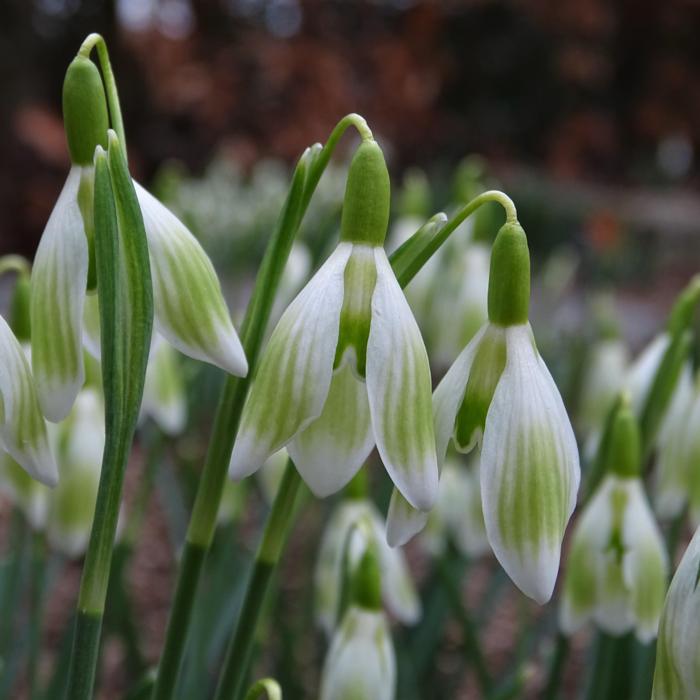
pixel 586 112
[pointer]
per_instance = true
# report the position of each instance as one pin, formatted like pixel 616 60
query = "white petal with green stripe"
pixel 677 673
pixel 294 376
pixel 22 427
pixel 59 279
pixel 399 389
pixel 529 469
pixel 190 310
pixel 403 521
pixel 645 566
pixel 329 452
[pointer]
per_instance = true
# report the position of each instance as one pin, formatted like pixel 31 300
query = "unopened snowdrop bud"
pixel 676 674
pixel 617 568
pixel 397 590
pixel 500 388
pixel 361 664
pixel 81 440
pixel 346 367
pixel 22 428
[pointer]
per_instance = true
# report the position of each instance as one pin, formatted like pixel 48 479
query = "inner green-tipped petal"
pixel 59 278
pixel 356 315
pixel 489 363
pixel 189 305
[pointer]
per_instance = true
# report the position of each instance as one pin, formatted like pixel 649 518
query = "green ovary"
pixel 360 278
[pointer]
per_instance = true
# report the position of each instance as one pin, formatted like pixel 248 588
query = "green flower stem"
pixel 277 527
pixel 95 41
pixel 36 610
pixel 556 668
pixel 202 523
pixel 126 317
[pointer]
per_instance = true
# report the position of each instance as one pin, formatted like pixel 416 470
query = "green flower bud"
pixel 624 449
pixel 367 197
pixel 85 113
pixel 509 280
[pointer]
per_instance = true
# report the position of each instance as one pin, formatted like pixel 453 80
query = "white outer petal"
pixel 403 521
pixel 399 390
pixel 59 279
pixel 526 397
pixel 310 327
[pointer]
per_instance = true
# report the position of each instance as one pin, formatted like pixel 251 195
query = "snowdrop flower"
pixel 23 433
pixel 397 590
pixel 642 371
pixel 499 393
pixel 617 568
pixel 81 440
pixel 676 674
pixel 458 515
pixel 189 305
pixel 346 367
pixel 361 663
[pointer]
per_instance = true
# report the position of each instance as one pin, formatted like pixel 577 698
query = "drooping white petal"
pixel 643 370
pixel 22 426
pixel 164 392
pixel 403 521
pixel 330 451
pixel 294 377
pixel 190 310
pixel 361 663
pixel 645 565
pixel 59 279
pixel 450 393
pixel 676 675
pixel 399 389
pixel 529 469
pixel 91 326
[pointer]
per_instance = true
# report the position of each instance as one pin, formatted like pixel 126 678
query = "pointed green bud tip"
pixel 624 449
pixel 85 113
pixel 366 581
pixel 367 196
pixel 509 280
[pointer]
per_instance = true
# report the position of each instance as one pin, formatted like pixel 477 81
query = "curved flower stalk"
pixel 361 663
pixel 617 568
pixel 346 367
pixel 500 393
pixel 676 673
pixel 190 310
pixel 458 515
pixel 397 590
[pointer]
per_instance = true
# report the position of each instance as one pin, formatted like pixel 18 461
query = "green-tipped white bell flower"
pixel 676 675
pixel 458 515
pixel 500 393
pixel 397 590
pixel 23 432
pixel 189 306
pixel 346 367
pixel 617 568
pixel 361 663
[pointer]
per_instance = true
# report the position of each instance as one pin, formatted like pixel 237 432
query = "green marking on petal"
pixel 580 584
pixel 649 590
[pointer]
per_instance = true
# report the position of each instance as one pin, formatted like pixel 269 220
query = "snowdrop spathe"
pixel 345 367
pixel 617 568
pixel 190 309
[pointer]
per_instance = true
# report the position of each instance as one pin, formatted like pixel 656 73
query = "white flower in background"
pixel 80 439
pixel 346 367
pixel 458 515
pixel 361 663
pixel 164 396
pixel 271 473
pixel 295 275
pixel 676 675
pixel 398 592
pixel 617 568
pixel 642 371
pixel 677 478
pixel 189 307
pixel 23 433
pixel 500 393
pixel 27 494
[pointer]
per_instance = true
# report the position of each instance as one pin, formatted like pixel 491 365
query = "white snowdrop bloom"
pixel 345 367
pixel 398 592
pixel 676 675
pixel 190 310
pixel 617 568
pixel 500 393
pixel 642 371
